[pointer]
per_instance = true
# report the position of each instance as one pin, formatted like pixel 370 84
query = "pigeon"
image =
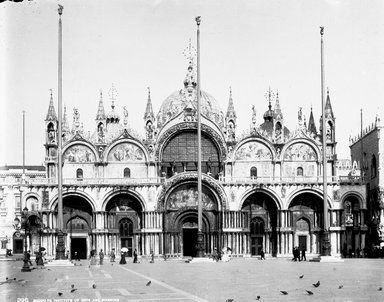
pixel 14 279
pixel 284 292
pixel 309 292
pixel 49 269
pixel 94 285
pixel 73 286
pixel 6 278
pixel 316 284
pixel 380 289
pixel 301 277
pixel 258 298
pixel 229 300
pixel 340 286
pixel 60 294
pixel 73 289
pixel 149 283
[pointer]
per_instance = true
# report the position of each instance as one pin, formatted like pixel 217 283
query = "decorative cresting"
pixel 79 153
pixel 172 182
pixel 253 150
pixel 125 152
pixel 218 139
pixel 300 152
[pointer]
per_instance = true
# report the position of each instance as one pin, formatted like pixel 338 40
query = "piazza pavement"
pixel 176 280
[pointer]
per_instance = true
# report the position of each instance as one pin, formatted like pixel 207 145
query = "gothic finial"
pixel 230 91
pixel 190 53
pixel 113 93
pixel 60 9
pixel 101 94
pixel 51 92
pixel 198 20
pixel 321 31
pixel 149 92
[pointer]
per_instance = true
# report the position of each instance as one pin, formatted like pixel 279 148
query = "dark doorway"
pixel 302 243
pixel 17 246
pixel 127 242
pixel 189 241
pixel 256 245
pixel 79 245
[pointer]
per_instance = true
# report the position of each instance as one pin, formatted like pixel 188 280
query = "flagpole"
pixel 200 237
pixel 60 247
pixel 326 246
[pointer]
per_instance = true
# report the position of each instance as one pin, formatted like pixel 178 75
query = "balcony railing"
pixel 158 180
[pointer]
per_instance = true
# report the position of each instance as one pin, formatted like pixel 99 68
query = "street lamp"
pixel 24 217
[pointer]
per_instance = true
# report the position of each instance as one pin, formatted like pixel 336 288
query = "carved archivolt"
pixel 210 182
pixel 188 126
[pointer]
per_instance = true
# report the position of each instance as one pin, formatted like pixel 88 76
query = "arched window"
pixel 126 228
pixel 299 171
pixel 253 172
pixel 257 226
pixel 373 166
pixel 79 173
pixel 127 173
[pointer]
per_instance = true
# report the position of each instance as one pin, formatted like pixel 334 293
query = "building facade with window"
pixel 368 158
pixel 261 190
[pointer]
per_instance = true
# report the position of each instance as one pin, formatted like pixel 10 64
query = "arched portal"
pixel 351 239
pixel 78 218
pixel 124 223
pixel 306 220
pixel 181 221
pixel 261 210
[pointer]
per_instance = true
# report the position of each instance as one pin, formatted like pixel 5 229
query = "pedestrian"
pixel 67 255
pixel 303 258
pixel 29 257
pixel 77 256
pixel 113 255
pixel 101 256
pixel 152 257
pixel 135 256
pixel 295 256
pixel 214 255
pixel 262 255
pixel 122 259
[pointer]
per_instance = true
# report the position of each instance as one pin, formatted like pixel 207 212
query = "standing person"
pixel 77 256
pixel 135 256
pixel 122 259
pixel 29 257
pixel 152 257
pixel 101 256
pixel 262 255
pixel 113 255
pixel 303 258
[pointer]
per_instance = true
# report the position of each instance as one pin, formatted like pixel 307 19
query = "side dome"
pixel 186 98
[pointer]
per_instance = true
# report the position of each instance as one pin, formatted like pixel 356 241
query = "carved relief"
pixel 78 154
pixel 253 151
pixel 126 152
pixel 300 151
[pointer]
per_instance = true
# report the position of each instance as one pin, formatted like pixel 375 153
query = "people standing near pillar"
pixel 303 258
pixel 135 256
pixel 113 255
pixel 101 256
pixel 262 255
pixel 122 259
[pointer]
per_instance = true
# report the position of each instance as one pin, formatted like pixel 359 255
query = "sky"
pixel 250 46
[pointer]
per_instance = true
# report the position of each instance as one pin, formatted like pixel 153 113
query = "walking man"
pixel 113 255
pixel 101 257
pixel 303 258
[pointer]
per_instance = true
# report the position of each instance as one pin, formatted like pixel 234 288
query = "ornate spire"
pixel 51 114
pixel 100 111
pixel 311 124
pixel 328 107
pixel 148 115
pixel 113 117
pixel 231 113
pixel 277 110
pixel 66 128
pixel 268 115
pixel 190 79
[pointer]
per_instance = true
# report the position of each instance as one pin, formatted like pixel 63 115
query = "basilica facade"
pixel 261 190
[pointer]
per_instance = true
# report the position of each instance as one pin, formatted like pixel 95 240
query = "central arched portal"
pixel 181 220
pixel 261 209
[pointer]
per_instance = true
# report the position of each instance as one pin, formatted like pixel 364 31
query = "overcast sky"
pixel 248 45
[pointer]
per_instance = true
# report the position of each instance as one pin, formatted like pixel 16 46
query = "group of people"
pixel 222 255
pixel 298 255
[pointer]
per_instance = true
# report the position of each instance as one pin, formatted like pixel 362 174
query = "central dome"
pixel 185 99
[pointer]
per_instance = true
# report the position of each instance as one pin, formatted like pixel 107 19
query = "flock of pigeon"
pixel 317 284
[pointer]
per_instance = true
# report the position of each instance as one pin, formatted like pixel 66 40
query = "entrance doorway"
pixel 79 245
pixel 256 245
pixel 189 241
pixel 127 242
pixel 17 246
pixel 302 243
